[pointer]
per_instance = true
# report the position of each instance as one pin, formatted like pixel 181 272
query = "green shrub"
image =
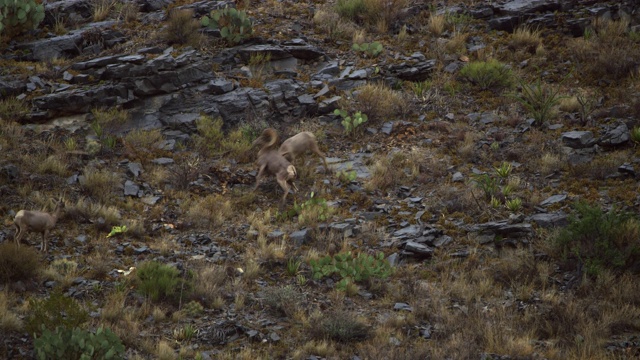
pixel 234 25
pixel 78 344
pixel 193 308
pixel 161 282
pixel 487 184
pixel 600 240
pixel 18 263
pixel 18 16
pixel 339 326
pixel 488 75
pixel 351 9
pixel 372 50
pixel 539 99
pixel 362 267
pixel 56 311
pixel 313 210
pixel 635 134
pixel 351 123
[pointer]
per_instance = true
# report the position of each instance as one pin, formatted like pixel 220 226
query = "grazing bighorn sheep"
pixel 36 221
pixel 270 162
pixel 300 144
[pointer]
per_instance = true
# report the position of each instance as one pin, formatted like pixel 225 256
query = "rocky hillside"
pixel 482 199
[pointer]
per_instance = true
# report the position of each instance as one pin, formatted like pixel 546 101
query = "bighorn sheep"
pixel 37 221
pixel 299 144
pixel 270 162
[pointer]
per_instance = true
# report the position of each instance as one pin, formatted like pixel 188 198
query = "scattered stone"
pixel 549 220
pixel 402 306
pixel 163 161
pixel 300 237
pixel 627 169
pixel 553 199
pixel 578 139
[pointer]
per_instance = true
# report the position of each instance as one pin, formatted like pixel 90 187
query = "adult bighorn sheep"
pixel 38 222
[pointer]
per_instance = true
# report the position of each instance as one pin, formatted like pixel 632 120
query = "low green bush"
pixel 362 267
pixel 56 311
pixel 600 240
pixel 539 100
pixel 19 16
pixel 78 344
pixel 351 123
pixel 372 50
pixel 488 75
pixel 160 282
pixel 234 25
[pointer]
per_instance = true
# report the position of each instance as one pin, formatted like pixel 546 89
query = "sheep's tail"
pixel 268 139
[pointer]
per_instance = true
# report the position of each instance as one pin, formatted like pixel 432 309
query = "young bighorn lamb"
pixel 37 221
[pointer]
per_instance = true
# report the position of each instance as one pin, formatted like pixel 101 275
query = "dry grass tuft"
pixel 208 212
pixel 606 51
pixel 12 109
pixel 549 163
pixel 525 39
pixel 9 321
pixel 102 9
pixel 379 102
pixel 437 24
pixel 182 28
pixel 329 22
pixel 388 171
pixel 100 184
pixel 209 279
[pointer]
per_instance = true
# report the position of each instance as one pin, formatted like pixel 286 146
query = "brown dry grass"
pixel 379 102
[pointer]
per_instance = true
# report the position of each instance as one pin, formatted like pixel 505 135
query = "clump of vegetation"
pixel 56 311
pixel 235 25
pixel 99 183
pixel 312 211
pixel 18 263
pixel 362 267
pixel 160 282
pixel 606 51
pixel 78 344
pixel 539 100
pixel 526 39
pixel 635 134
pixel 330 23
pixel 102 8
pixel 9 320
pixel 210 211
pixel 379 102
pixel 12 109
pixel 19 16
pixel 392 169
pixel 352 123
pixel 193 308
pixel 283 300
pixel 182 28
pixel 371 50
pixel 341 326
pixel 488 75
pixel 600 240
pixel 212 140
